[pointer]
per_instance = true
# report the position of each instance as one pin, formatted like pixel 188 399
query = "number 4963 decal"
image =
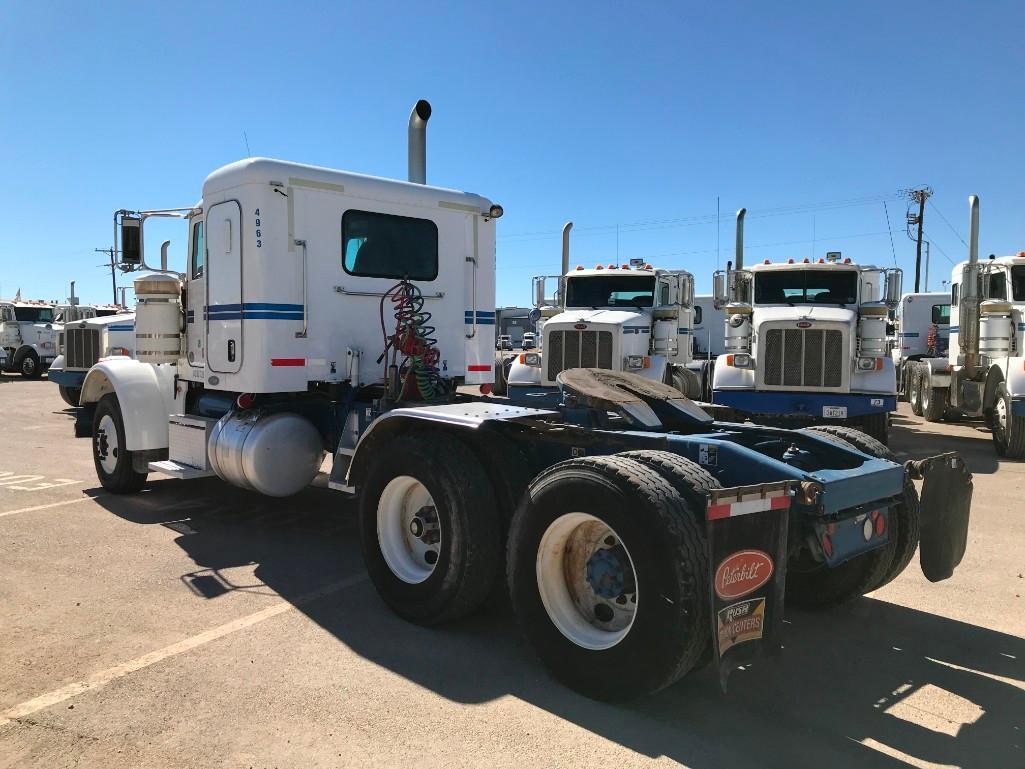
pixel 259 230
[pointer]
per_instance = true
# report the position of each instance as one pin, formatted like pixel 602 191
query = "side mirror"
pixel 131 241
pixel 687 290
pixel 720 296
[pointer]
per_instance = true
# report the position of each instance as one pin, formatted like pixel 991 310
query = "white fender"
pixel 882 381
pixel 58 363
pixel 937 371
pixel 730 378
pixel 1014 377
pixel 147 394
pixel 520 374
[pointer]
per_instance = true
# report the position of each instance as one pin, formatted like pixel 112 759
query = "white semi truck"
pixel 326 312
pixel 806 341
pixel 108 331
pixel 28 335
pixel 709 322
pixel 921 330
pixel 983 372
pixel 632 317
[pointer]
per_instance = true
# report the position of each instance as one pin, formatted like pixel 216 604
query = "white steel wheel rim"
pixel 408 529
pixel 569 598
pixel 1002 415
pixel 107 448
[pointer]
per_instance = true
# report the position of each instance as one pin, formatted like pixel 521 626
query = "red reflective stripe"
pixel 780 503
pixel 478 367
pixel 288 361
pixel 715 512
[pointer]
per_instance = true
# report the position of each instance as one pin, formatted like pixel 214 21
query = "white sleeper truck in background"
pixel 983 372
pixel 921 333
pixel 806 342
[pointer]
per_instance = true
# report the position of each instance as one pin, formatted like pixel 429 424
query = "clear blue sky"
pixel 602 113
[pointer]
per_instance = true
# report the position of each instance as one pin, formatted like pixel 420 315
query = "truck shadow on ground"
pixel 854 687
pixel 911 439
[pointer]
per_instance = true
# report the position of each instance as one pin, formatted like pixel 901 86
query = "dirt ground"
pixel 197 625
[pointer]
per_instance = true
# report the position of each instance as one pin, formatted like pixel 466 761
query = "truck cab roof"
pixel 288 174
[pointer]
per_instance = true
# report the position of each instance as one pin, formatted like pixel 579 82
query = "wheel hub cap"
pixel 408 529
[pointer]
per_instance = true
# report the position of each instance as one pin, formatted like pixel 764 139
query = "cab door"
pixel 224 287
pixel 195 341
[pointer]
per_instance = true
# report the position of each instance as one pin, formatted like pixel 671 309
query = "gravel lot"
pixel 197 625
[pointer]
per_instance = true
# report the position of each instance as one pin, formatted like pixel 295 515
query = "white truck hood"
pixel 606 317
pixel 124 318
pixel 775 314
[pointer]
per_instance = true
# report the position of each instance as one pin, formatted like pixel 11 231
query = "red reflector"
pixel 478 367
pixel 288 361
pixel 827 545
pixel 880 525
pixel 485 389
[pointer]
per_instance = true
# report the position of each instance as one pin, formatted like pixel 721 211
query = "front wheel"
pixel 29 366
pixel 430 529
pixel 1008 429
pixel 112 460
pixel 876 426
pixel 608 575
pixel 70 395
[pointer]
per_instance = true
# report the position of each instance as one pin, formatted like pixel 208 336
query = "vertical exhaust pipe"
pixel 565 247
pixel 163 255
pixel 71 296
pixel 740 238
pixel 417 153
pixel 968 334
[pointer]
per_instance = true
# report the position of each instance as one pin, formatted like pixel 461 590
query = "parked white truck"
pixel 806 341
pixel 81 343
pixel 28 335
pixel 329 312
pixel 633 318
pixel 921 330
pixel 709 324
pixel 983 373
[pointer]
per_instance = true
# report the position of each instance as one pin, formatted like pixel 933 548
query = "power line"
pixel 951 226
pixel 889 229
pixel 690 221
pixel 933 242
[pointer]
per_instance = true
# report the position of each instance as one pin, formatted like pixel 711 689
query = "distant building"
pixel 513 321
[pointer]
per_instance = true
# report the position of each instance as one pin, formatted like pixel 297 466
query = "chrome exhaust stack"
pixel 740 239
pixel 968 334
pixel 417 153
pixel 565 247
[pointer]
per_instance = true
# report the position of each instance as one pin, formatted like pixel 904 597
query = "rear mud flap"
pixel 946 505
pixel 746 528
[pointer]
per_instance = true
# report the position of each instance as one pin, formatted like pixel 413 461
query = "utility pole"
pixel 113 264
pixel 918 196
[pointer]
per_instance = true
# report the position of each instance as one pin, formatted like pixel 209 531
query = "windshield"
pixel 34 314
pixel 105 313
pixel 1018 282
pixel 806 287
pixel 610 291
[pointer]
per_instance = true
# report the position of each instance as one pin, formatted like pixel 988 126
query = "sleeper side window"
pixel 954 289
pixel 941 314
pixel 698 314
pixel 997 286
pixel 378 245
pixel 198 250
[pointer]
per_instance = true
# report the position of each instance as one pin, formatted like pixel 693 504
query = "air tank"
pixel 995 328
pixel 274 454
pixel 158 318
pixel 872 329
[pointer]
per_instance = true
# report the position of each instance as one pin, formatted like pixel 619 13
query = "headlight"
pixel 637 362
pixel 530 359
pixel 870 364
pixel 740 360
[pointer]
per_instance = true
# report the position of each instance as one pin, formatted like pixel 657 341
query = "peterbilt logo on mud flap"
pixel 742 573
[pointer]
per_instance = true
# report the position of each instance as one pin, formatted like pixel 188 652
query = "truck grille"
pixel 795 357
pixel 81 347
pixel 577 349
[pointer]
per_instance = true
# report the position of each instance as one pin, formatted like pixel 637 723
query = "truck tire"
pixel 430 528
pixel 1008 430
pixel 914 388
pixel 28 365
pixel 112 461
pixel 906 521
pixel 70 395
pixel 875 426
pixel 932 400
pixel 608 575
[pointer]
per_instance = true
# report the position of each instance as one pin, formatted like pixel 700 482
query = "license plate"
pixel 834 412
